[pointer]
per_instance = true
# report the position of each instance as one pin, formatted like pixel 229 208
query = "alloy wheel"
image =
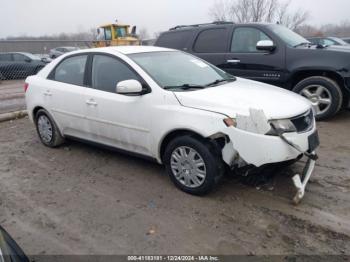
pixel 319 96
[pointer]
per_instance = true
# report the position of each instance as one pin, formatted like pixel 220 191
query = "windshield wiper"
pixel 302 44
pixel 218 81
pixel 184 87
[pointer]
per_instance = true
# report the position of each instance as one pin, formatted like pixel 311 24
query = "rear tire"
pixel 324 94
pixel 47 129
pixel 193 165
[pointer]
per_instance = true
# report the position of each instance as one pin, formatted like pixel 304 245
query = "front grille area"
pixel 304 122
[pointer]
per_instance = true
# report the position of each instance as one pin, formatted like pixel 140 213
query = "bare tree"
pixel 293 20
pixel 244 11
pixel 143 33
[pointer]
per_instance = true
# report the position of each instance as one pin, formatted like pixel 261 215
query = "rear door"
pixel 211 45
pixel 244 60
pixel 64 95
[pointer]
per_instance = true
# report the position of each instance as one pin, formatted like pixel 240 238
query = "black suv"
pixel 273 54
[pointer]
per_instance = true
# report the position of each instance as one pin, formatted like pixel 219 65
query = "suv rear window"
pixel 211 41
pixel 176 40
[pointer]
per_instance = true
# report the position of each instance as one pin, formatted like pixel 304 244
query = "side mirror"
pixel 265 45
pixel 129 87
pixel 28 60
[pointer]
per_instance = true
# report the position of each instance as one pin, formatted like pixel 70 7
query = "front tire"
pixel 47 129
pixel 324 94
pixel 194 166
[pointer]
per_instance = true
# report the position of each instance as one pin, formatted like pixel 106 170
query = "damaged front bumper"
pixel 246 148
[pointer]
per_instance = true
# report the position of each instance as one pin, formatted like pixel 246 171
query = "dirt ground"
pixel 79 199
pixel 11 96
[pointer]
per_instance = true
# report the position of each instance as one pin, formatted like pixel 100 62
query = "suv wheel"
pixel 47 130
pixel 193 165
pixel 324 94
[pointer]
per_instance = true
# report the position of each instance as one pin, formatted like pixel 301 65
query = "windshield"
pixel 71 48
pixel 120 31
pixel 340 41
pixel 177 69
pixel 288 36
pixel 31 56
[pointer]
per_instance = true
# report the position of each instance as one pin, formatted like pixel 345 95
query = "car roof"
pixel 215 25
pixel 20 53
pixel 127 50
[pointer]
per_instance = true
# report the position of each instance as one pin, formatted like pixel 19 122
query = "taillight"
pixel 26 85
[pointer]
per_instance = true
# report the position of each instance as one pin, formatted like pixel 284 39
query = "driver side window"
pixel 107 72
pixel 245 39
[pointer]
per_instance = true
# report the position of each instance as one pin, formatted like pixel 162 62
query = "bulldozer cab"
pixel 116 35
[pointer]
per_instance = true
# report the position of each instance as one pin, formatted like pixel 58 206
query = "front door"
pixel 117 120
pixel 244 60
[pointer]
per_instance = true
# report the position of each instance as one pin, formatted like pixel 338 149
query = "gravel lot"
pixel 11 96
pixel 79 199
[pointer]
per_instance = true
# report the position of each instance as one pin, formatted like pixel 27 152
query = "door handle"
pixel 91 102
pixel 47 93
pixel 234 61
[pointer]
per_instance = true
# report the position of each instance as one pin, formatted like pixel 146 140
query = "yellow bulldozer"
pixel 116 35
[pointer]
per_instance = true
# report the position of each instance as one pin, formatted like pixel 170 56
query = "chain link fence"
pixel 22 58
pixel 12 71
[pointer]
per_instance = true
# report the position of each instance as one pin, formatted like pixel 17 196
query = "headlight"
pixel 283 126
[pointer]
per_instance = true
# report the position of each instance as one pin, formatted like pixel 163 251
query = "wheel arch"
pixel 333 75
pixel 217 140
pixel 300 75
pixel 36 110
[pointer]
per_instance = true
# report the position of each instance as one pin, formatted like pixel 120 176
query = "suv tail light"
pixel 26 85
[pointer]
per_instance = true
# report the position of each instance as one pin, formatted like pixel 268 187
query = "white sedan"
pixel 174 108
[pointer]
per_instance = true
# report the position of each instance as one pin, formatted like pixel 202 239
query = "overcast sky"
pixel 38 17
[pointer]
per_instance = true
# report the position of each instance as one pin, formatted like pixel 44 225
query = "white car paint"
pixel 142 122
pixel 238 97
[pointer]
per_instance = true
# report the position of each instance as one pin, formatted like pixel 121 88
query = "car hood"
pixel 242 95
pixel 339 47
pixel 335 48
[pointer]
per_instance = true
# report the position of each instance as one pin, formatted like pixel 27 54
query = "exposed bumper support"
pixel 301 185
pixel 307 172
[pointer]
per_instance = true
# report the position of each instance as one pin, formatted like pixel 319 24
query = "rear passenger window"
pixel 71 70
pixel 5 57
pixel 19 58
pixel 107 72
pixel 245 40
pixel 176 40
pixel 211 41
